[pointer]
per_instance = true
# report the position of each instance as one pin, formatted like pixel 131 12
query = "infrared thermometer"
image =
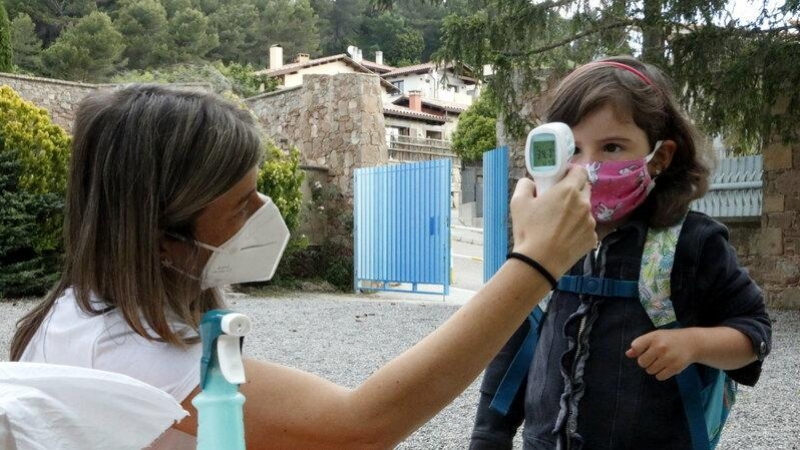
pixel 548 149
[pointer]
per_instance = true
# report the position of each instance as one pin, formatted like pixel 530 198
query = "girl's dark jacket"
pixel 588 395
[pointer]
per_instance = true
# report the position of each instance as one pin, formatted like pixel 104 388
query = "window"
pixel 431 134
pixel 399 85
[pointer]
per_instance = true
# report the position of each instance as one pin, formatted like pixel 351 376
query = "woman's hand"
pixel 556 229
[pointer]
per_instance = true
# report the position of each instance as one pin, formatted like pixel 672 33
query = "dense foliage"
pixel 6 62
pixel 281 178
pixel 730 72
pixel 25 44
pixel 95 40
pixel 476 132
pixel 234 80
pixel 33 175
pixel 90 49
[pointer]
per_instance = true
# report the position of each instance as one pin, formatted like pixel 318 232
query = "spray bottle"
pixel 219 405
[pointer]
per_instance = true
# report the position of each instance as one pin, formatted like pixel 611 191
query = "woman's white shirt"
pixel 69 336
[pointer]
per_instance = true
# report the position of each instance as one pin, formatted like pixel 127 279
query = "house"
pixel 291 75
pixel 417 126
pixel 376 66
pixel 449 111
pixel 422 102
pixel 442 83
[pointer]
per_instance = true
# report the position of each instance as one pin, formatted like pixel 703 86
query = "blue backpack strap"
pixel 512 380
pixel 599 286
pixel 706 399
pixel 691 388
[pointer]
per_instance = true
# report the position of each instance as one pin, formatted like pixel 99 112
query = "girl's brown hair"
pixel 146 159
pixel 654 109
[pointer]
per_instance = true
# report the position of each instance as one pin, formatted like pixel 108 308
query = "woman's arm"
pixel 291 409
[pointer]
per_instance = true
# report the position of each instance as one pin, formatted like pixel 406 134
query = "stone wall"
pixel 777 244
pixel 60 98
pixel 313 216
pixel 336 121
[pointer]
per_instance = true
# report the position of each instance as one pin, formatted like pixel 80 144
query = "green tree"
pixel 244 81
pixel 6 58
pixel 237 25
pixel 90 50
pixel 51 16
pixel 175 6
pixel 208 7
pixel 427 18
pixel 340 22
pixel 281 23
pixel 730 73
pixel 476 131
pixel 143 24
pixel 191 36
pixel 401 44
pixel 25 44
pixel 33 176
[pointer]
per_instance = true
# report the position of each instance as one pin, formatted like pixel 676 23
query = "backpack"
pixel 707 393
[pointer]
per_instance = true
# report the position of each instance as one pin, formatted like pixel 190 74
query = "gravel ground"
pixel 346 338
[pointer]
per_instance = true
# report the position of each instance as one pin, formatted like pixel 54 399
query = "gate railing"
pixel 736 190
pixel 495 210
pixel 402 228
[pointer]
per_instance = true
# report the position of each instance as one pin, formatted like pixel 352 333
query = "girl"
pixel 602 375
pixel 161 184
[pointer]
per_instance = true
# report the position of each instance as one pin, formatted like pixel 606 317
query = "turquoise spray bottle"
pixel 219 405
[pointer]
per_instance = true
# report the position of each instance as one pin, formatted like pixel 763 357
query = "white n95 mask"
pixel 252 254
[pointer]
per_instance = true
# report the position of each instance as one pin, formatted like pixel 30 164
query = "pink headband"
pixel 622 66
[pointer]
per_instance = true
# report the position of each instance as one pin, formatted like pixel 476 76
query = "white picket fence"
pixel 736 189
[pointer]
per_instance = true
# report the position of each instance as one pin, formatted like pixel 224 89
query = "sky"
pixel 747 11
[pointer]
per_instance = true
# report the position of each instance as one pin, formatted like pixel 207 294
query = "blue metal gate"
pixel 495 210
pixel 402 227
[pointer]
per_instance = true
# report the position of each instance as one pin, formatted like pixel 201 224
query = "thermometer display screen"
pixel 543 153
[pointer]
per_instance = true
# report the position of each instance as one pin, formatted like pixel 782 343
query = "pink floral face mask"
pixel 619 187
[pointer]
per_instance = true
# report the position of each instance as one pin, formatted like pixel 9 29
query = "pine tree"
pixel 729 72
pixel 6 58
pixel 25 44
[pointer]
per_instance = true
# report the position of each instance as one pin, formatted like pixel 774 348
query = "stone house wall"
pixel 336 122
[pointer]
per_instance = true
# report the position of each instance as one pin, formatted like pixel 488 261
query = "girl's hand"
pixel 664 353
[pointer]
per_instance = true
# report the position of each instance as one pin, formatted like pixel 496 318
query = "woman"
pixel 159 181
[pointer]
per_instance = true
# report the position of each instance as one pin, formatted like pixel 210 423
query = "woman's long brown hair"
pixel 146 159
